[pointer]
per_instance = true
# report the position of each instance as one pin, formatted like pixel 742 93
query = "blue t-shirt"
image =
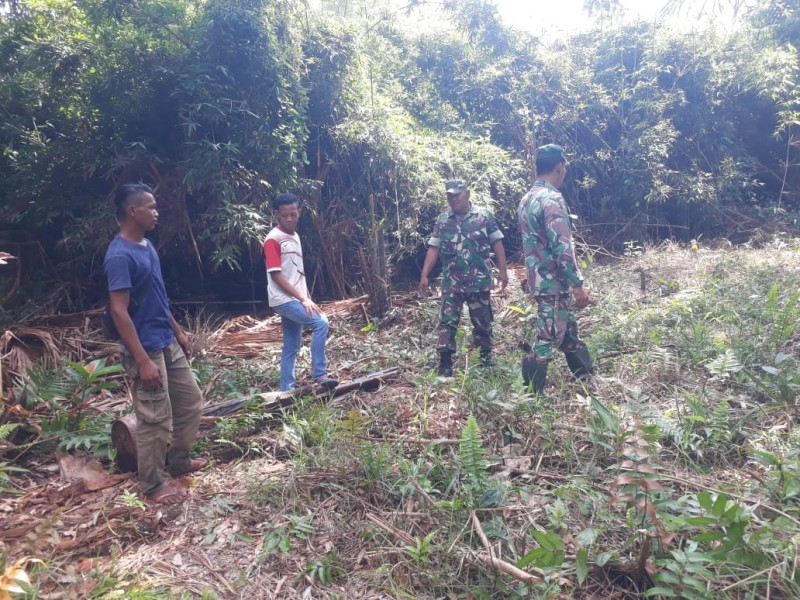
pixel 127 264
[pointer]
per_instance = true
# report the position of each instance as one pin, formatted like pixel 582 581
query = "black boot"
pixel 534 375
pixel 446 364
pixel 509 436
pixel 486 357
pixel 580 363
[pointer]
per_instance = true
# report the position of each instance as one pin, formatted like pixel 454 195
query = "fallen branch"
pixel 405 439
pixel 123 430
pixel 400 535
pixel 509 569
pixel 491 560
pixel 476 524
pixel 210 568
pixel 278 400
pixel 430 501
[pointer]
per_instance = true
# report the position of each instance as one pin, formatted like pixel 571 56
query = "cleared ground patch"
pixel 674 470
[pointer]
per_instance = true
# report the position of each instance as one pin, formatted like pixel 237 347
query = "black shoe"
pixel 327 382
pixel 580 363
pixel 534 375
pixel 445 364
pixel 445 371
pixel 509 436
pixel 486 358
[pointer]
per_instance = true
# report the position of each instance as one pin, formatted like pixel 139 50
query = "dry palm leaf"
pixel 15 577
pixel 26 346
pixel 246 336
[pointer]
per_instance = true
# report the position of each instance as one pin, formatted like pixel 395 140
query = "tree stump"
pixel 123 438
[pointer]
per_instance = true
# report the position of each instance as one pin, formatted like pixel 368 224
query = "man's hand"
pixel 430 260
pixel 311 307
pixel 582 299
pixel 150 375
pixel 424 286
pixel 183 341
pixel 502 277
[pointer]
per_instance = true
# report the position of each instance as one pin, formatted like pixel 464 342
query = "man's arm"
pixel 500 257
pixel 280 279
pixel 430 260
pixel 181 337
pixel 558 227
pixel 559 232
pixel 149 373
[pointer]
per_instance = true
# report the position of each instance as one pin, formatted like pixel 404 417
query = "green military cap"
pixel 454 186
pixel 551 151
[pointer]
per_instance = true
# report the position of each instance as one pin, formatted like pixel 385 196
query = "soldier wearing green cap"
pixel 464 237
pixel 553 273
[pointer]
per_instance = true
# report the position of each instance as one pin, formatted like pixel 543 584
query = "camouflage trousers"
pixel 480 313
pixel 556 328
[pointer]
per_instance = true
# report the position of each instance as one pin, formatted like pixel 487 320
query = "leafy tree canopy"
pixel 222 105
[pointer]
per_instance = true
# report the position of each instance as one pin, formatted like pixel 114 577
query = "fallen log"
pixel 274 401
pixel 123 430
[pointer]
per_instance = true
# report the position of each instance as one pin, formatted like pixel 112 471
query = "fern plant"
pixel 783 318
pixel 43 383
pixel 6 429
pixel 725 366
pixel 5 468
pixel 65 389
pixel 703 430
pixel 472 461
pixel 90 435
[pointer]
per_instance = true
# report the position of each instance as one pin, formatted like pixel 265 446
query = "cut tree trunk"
pixel 123 430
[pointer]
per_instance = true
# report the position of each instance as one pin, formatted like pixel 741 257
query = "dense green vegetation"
pixel 222 105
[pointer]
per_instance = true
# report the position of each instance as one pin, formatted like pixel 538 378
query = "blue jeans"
pixel 293 318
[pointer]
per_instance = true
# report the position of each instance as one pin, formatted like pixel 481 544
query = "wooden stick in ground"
pixel 430 501
pixel 476 524
pixel 400 535
pixel 496 563
pixel 509 569
pixel 204 559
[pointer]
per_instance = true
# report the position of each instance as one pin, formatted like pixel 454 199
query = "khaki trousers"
pixel 176 404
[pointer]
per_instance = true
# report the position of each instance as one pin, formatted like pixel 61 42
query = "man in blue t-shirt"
pixel 153 348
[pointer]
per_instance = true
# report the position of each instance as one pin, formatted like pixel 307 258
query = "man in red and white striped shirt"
pixel 288 296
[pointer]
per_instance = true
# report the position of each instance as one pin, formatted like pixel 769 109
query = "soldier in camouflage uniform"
pixel 463 237
pixel 553 273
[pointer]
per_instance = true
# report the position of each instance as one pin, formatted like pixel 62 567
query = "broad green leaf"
pixel 719 505
pixel 582 565
pixel 609 420
pixel 548 540
pixel 705 500
pixel 660 591
pixel 603 558
pixel 586 537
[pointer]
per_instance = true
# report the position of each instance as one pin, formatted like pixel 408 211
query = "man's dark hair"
pixel 547 164
pixel 283 199
pixel 127 193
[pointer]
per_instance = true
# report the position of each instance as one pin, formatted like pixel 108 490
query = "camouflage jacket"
pixel 546 230
pixel 464 246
